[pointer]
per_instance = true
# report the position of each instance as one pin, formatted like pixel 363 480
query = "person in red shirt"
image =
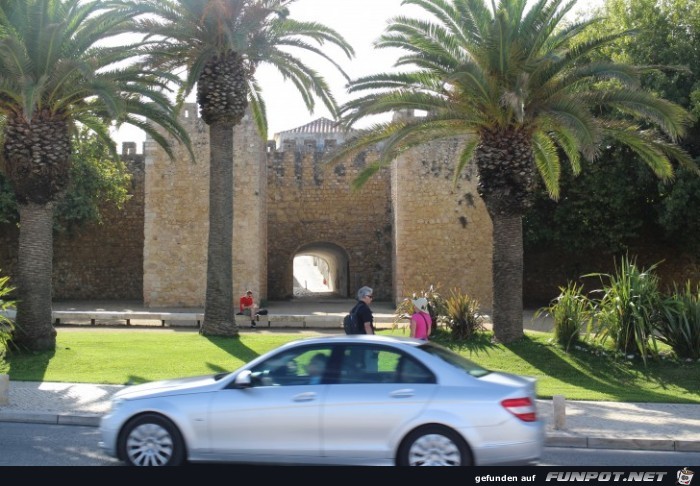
pixel 248 307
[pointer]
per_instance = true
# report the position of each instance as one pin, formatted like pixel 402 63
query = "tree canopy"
pixel 597 211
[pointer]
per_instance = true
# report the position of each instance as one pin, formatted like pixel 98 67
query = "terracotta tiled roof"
pixel 321 125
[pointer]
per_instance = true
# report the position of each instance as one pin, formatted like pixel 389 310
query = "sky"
pixel 360 22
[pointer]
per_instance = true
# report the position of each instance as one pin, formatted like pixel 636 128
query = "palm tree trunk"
pixel 35 329
pixel 218 308
pixel 507 277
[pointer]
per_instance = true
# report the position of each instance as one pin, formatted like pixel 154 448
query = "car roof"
pixel 374 338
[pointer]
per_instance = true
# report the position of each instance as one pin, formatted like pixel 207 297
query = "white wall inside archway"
pixel 311 275
pixel 320 269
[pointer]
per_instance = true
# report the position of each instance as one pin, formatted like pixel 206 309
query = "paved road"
pixel 62 445
pixel 655 426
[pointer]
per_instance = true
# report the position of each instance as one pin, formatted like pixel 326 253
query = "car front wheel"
pixel 151 440
pixel 434 445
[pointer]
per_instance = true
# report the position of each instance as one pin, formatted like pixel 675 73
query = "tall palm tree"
pixel 221 43
pixel 516 85
pixel 56 74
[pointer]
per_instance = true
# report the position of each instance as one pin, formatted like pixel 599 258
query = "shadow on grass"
pixel 589 368
pixel 32 363
pixel 94 350
pixel 232 346
pixel 480 342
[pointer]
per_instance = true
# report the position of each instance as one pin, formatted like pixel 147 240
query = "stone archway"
pixel 332 262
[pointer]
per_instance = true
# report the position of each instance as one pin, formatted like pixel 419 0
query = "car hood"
pixel 168 387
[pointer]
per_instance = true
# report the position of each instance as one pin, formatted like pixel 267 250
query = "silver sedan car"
pixel 345 400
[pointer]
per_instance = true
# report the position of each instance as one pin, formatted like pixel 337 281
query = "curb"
pixel 668 445
pixel 51 418
pixel 628 444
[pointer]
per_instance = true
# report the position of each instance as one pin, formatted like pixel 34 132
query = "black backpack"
pixel 351 323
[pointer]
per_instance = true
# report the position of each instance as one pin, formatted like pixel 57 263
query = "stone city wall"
pixel 100 261
pixel 177 217
pixel 442 231
pixel 407 228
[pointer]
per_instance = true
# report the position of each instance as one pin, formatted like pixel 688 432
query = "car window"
pixel 366 363
pixel 301 366
pixel 454 359
pixel 409 370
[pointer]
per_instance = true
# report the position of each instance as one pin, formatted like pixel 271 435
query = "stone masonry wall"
pixel 442 232
pixel 105 261
pixel 176 218
pixel 312 203
pixel 100 261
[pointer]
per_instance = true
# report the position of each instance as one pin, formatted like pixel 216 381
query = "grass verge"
pixel 128 357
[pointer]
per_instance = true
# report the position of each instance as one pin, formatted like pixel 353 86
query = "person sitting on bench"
pixel 248 307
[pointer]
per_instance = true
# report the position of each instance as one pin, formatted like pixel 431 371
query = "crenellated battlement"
pixel 306 166
pixel 318 144
pixel 189 113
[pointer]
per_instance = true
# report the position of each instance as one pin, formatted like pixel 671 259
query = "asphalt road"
pixel 23 444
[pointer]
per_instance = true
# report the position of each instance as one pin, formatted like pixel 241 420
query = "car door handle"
pixel 403 393
pixel 305 397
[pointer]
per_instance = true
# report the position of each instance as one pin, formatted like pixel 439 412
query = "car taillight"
pixel 523 408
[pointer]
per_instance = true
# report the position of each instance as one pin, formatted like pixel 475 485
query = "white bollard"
pixel 4 389
pixel 559 404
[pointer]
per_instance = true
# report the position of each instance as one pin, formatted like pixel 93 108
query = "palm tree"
pixel 55 76
pixel 221 43
pixel 515 84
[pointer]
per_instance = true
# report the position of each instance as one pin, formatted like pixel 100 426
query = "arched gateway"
pixel 329 270
pixel 407 228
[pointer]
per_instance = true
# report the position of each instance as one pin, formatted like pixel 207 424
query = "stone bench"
pixel 295 321
pixel 171 318
pixel 307 321
pixel 194 319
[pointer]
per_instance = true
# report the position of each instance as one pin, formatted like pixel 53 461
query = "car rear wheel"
pixel 151 440
pixel 434 445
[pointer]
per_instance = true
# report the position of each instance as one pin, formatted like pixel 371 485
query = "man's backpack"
pixel 351 323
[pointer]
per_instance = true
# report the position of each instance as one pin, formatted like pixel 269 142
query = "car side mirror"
pixel 243 379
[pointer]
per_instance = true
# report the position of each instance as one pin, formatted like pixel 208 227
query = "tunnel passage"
pixel 319 268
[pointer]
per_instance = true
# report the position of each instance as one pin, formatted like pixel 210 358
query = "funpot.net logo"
pixel 605 476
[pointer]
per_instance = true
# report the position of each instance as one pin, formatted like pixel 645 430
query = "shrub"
pixel 571 311
pixel 7 326
pixel 679 323
pixel 462 313
pixel 628 310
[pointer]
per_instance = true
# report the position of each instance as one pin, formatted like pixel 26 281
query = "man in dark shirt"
pixel 363 312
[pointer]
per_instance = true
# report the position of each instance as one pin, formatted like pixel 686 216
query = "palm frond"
pixel 547 162
pixel 668 116
pixel 257 108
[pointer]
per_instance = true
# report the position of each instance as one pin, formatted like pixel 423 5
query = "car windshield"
pixel 454 359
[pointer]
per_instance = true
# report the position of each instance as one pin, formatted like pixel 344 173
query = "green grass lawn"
pixel 125 357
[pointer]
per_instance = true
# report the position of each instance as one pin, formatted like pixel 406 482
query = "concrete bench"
pixel 192 318
pixel 308 321
pixel 165 318
pixel 170 318
pixel 296 321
